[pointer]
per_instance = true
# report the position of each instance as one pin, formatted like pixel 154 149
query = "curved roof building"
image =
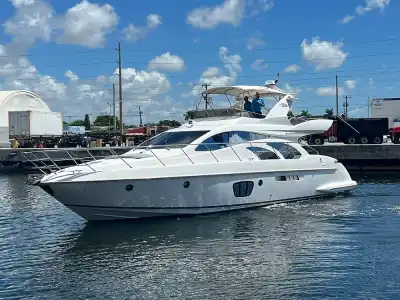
pixel 19 101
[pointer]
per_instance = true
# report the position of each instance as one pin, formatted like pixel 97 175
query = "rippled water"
pixel 345 248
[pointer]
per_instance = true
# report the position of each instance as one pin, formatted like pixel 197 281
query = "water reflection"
pixel 344 248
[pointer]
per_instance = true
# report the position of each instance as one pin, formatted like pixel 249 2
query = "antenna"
pixel 206 85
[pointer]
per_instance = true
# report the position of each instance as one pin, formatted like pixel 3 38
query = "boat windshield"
pixel 174 139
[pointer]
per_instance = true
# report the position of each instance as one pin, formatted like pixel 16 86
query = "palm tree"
pixel 328 113
pixel 189 115
pixel 305 113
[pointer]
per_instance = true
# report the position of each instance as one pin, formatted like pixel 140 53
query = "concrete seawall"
pixel 364 158
pixel 17 159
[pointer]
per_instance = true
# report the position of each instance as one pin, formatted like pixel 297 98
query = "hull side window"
pixel 243 188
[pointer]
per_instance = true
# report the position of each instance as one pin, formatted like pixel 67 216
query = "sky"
pixel 65 51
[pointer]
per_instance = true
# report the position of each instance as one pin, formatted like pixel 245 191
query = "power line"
pixel 390 39
pixel 279 48
pixel 207 62
pixel 281 61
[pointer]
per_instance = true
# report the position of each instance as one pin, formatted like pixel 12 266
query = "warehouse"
pixel 17 101
pixel 386 108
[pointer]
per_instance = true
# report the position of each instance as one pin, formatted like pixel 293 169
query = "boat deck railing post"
pixel 44 152
pixel 42 162
pixel 156 157
pixel 187 156
pixel 32 162
pixel 234 152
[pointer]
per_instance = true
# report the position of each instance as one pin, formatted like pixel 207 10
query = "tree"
pixel 170 123
pixel 87 122
pixel 328 113
pixel 105 120
pixel 77 123
pixel 189 115
pixel 305 113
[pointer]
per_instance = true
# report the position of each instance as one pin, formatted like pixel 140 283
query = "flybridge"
pixel 236 108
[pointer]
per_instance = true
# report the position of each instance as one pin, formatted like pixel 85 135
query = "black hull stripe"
pixel 262 203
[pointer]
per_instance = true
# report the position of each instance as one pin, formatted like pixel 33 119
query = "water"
pixel 346 248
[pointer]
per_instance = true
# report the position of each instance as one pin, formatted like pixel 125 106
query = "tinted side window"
pixel 263 153
pixel 243 188
pixel 238 137
pixel 221 140
pixel 178 138
pixel 287 151
pixel 257 136
pixel 215 142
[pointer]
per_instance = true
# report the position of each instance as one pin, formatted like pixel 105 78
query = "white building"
pixel 386 108
pixel 17 101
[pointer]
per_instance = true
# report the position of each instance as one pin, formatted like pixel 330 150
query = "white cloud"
pixel 257 7
pixel 211 72
pixel 18 3
pixel 255 41
pixel 371 83
pixel 215 76
pixel 167 62
pixel 229 12
pixel 259 64
pixel 323 54
pixel 329 91
pixel 351 84
pixel 32 21
pixel 371 5
pixel 232 62
pixel 292 69
pixel 77 96
pixel 288 88
pixel 88 24
pixel 346 19
pixel 134 33
pixel 71 75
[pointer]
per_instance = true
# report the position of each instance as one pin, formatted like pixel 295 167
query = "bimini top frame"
pixel 239 92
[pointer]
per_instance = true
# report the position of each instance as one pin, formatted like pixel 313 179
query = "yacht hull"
pixel 145 198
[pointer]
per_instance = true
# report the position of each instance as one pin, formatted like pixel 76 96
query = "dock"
pixel 17 160
pixel 364 158
pixel 356 158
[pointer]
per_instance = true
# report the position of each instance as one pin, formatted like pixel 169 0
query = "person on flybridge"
pixel 247 105
pixel 256 104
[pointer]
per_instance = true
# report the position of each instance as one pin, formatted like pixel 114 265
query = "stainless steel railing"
pixel 45 162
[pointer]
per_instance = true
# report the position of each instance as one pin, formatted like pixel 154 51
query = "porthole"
pixel 129 187
pixel 186 184
pixel 260 182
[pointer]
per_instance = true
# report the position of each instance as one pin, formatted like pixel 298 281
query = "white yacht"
pixel 221 160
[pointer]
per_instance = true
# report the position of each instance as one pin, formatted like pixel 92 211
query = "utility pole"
pixel 346 104
pixel 206 85
pixel 337 96
pixel 115 119
pixel 109 119
pixel 140 116
pixel 368 105
pixel 121 123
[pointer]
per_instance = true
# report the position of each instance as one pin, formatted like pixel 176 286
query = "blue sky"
pixel 64 51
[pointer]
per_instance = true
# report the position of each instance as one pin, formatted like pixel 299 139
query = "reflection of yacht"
pixel 221 160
